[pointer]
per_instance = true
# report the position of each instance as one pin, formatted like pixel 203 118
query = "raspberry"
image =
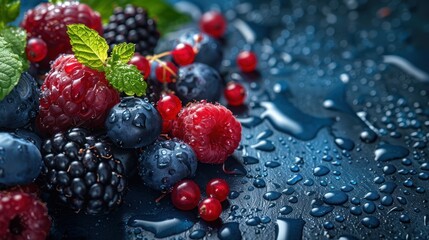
pixel 49 22
pixel 74 95
pixel 210 129
pixel 23 216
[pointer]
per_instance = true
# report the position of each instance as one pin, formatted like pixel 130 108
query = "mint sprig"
pixel 91 50
pixel 17 40
pixel 11 68
pixel 9 10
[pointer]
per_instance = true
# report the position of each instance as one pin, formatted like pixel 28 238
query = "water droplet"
pixel 370 222
pixel 295 179
pixel 233 167
pixel 388 187
pixel 272 195
pixel 160 226
pixel 229 231
pixel 289 229
pixel 335 198
pixel 126 115
pixel 369 207
pixel 264 145
pixel 272 164
pixel 344 143
pixel 320 211
pixel 253 221
pixel 250 122
pixel 248 160
pixel 372 196
pixel 264 134
pixel 285 210
pixel 320 171
pixel 259 183
pixel 197 234
pixel 387 152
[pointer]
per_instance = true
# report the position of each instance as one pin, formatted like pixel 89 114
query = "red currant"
pixel 36 50
pixel 218 188
pixel 185 195
pixel 183 54
pixel 213 23
pixel 235 94
pixel 142 64
pixel 165 72
pixel 210 209
pixel 247 61
pixel 169 106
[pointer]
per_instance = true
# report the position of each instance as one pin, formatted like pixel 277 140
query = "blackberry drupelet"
pixel 81 170
pixel 132 24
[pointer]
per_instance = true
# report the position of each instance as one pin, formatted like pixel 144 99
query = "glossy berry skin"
pixel 80 170
pixel 247 61
pixel 165 163
pixel 210 129
pixel 183 54
pixel 186 195
pixel 209 50
pixel 198 82
pixel 23 216
pixel 20 106
pixel 74 95
pixel 21 160
pixel 36 50
pixel 133 123
pixel 213 23
pixel 169 106
pixel 163 74
pixel 235 94
pixel 49 22
pixel 142 64
pixel 218 188
pixel 210 209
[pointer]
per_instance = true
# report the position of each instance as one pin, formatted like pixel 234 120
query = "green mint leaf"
pixel 9 11
pixel 89 48
pixel 17 39
pixel 123 52
pixel 10 68
pixel 166 16
pixel 126 78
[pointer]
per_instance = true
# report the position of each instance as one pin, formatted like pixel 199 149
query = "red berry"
pixel 247 61
pixel 210 129
pixel 165 72
pixel 74 95
pixel 213 23
pixel 185 195
pixel 169 106
pixel 218 188
pixel 142 64
pixel 235 94
pixel 183 54
pixel 23 216
pixel 167 125
pixel 36 50
pixel 49 22
pixel 210 209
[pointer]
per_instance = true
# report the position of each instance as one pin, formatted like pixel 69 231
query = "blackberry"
pixel 164 163
pixel 132 24
pixel 81 171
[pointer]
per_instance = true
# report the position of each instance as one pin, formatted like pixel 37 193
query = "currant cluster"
pixel 186 195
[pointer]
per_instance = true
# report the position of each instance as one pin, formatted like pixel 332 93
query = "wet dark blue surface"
pixel 335 130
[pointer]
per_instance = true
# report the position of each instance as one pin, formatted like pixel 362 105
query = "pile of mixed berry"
pixel 83 105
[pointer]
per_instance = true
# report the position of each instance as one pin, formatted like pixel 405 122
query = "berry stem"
pixel 165 67
pixel 158 56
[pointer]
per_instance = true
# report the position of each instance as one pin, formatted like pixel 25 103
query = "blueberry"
pixel 133 123
pixel 165 163
pixel 21 104
pixel 197 82
pixel 209 49
pixel 20 160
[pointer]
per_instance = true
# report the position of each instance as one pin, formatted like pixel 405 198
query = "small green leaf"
pixel 123 52
pixel 126 78
pixel 89 48
pixel 9 11
pixel 17 38
pixel 11 68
